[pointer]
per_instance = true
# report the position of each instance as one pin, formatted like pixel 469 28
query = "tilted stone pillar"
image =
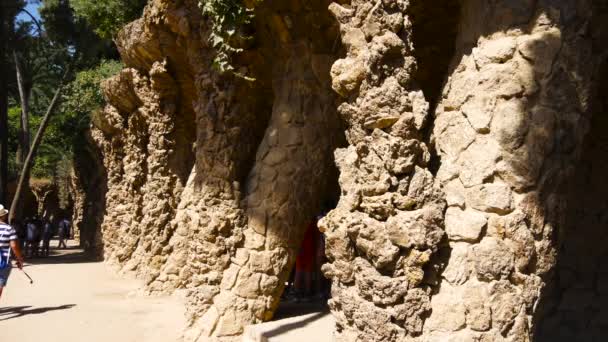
pixel 512 117
pixel 284 193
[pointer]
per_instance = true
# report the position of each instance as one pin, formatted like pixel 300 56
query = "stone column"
pixel 512 118
pixel 509 127
pixel 388 224
pixel 283 194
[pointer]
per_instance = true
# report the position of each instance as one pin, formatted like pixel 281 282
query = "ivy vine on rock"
pixel 228 20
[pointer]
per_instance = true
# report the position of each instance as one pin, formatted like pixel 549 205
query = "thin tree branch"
pixel 25 109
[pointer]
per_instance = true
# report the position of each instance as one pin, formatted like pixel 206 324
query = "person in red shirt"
pixel 305 263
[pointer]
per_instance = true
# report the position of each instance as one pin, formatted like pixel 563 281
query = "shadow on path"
pixel 70 255
pixel 278 331
pixel 289 309
pixel 20 311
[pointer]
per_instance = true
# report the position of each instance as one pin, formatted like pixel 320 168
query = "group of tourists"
pixel 33 236
pixel 36 233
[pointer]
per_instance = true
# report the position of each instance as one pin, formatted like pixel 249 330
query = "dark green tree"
pixel 29 160
pixel 38 66
pixel 64 27
pixel 8 12
pixel 36 56
pixel 109 16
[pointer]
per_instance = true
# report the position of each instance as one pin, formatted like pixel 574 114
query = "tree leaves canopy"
pixel 65 38
pixel 109 16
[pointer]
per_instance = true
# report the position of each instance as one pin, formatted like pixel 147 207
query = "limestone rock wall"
pixel 212 180
pixel 146 136
pixel 456 152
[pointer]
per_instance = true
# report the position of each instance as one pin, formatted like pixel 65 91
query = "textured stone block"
pixel 464 225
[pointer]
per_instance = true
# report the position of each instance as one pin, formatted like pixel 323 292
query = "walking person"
pixel 62 232
pixel 68 229
pixel 30 246
pixel 47 233
pixel 38 236
pixel 9 246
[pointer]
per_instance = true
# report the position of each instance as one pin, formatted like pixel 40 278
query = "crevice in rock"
pixel 434 48
pixel 437 264
pixel 434 44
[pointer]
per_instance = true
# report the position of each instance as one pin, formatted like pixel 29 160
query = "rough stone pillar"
pixel 145 134
pixel 88 189
pixel 451 208
pixel 284 191
pixel 513 114
pixel 389 221
pixel 143 183
pixel 512 119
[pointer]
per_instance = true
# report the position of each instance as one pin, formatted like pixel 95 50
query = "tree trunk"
pixel 24 95
pixel 29 161
pixel 3 108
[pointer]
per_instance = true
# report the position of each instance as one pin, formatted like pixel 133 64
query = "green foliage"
pixel 42 66
pixel 228 18
pixel 65 37
pixel 81 97
pixel 65 29
pixel 84 95
pixel 59 21
pixel 108 16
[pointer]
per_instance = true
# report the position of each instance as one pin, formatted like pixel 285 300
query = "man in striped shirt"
pixel 9 247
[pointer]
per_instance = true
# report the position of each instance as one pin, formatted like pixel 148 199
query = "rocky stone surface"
pixel 454 149
pixel 88 187
pixel 507 105
pixel 212 180
pixel 377 257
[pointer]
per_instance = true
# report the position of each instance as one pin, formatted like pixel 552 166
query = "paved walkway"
pixel 73 300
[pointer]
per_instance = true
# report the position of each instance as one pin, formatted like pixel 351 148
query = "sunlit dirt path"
pixel 73 300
